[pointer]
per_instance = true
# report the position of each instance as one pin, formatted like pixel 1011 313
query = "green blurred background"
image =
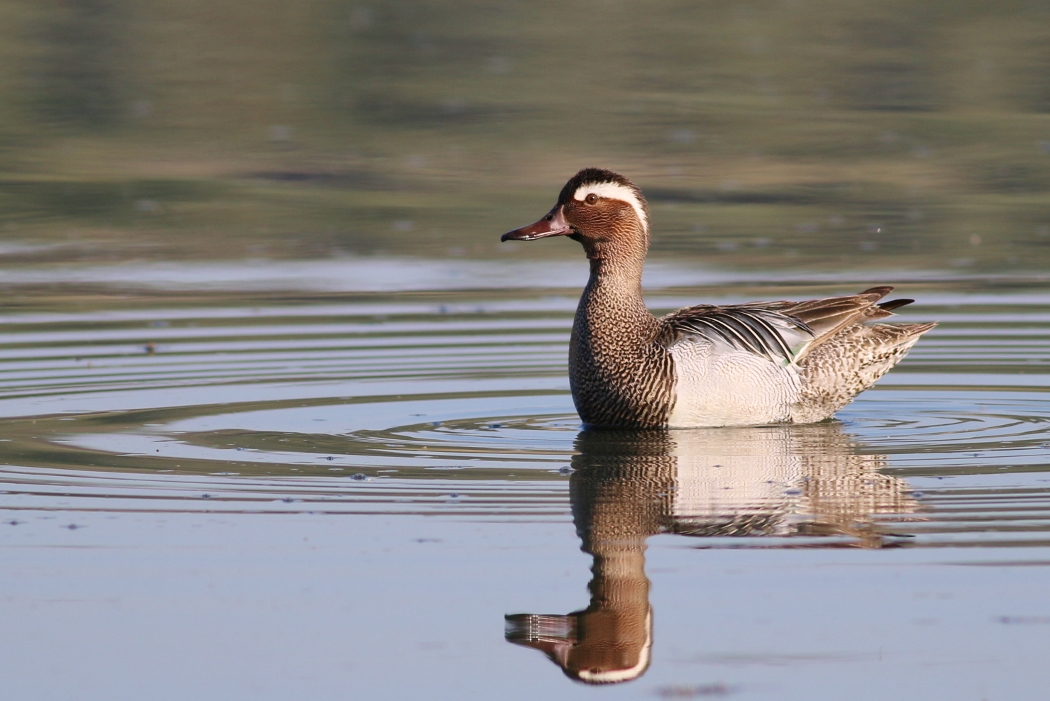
pixel 784 134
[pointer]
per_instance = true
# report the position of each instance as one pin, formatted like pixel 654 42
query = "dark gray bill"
pixel 553 224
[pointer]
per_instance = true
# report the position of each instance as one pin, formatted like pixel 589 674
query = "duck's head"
pixel 602 210
pixel 600 645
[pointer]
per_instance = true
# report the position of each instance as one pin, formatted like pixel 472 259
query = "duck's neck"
pixel 619 375
pixel 612 301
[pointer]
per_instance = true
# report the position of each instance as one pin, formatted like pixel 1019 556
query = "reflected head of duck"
pixel 609 641
pixel 595 646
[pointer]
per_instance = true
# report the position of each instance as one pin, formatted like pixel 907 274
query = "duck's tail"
pixel 854 356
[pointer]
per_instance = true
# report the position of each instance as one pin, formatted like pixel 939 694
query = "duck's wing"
pixel 826 317
pixel 782 331
pixel 760 328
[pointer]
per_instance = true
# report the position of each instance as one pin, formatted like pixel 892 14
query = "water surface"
pixel 281 418
pixel 308 492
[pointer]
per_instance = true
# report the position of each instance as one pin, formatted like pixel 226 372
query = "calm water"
pixel 280 418
pixel 809 134
pixel 339 494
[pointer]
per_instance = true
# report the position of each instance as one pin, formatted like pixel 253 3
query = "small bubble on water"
pixel 280 133
pixel 682 136
pixel 359 476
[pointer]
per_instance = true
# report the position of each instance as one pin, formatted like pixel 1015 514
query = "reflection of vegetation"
pixel 78 81
pixel 109 200
pixel 889 68
pixel 787 134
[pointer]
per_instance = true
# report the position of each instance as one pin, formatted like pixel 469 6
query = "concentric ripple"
pixel 455 404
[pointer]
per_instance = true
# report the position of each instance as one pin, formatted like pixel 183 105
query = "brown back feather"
pixel 826 317
pixel 881 291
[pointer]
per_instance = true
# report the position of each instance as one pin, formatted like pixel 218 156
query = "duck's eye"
pixel 591 198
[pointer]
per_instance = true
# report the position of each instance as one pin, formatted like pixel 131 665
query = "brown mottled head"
pixel 602 210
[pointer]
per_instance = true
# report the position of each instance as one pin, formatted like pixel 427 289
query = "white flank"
pixel 614 191
pixel 718 385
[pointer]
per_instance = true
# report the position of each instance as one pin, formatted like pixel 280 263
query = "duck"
pixel 752 364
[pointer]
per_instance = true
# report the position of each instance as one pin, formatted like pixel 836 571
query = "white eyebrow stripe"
pixel 614 191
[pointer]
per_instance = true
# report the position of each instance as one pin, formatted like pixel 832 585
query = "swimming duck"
pixel 709 365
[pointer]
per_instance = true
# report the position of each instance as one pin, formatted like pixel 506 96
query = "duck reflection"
pixel 745 482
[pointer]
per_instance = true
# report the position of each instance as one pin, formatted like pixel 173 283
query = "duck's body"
pixel 749 364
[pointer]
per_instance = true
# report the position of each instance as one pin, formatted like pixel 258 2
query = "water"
pixel 337 493
pixel 803 133
pixel 281 418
